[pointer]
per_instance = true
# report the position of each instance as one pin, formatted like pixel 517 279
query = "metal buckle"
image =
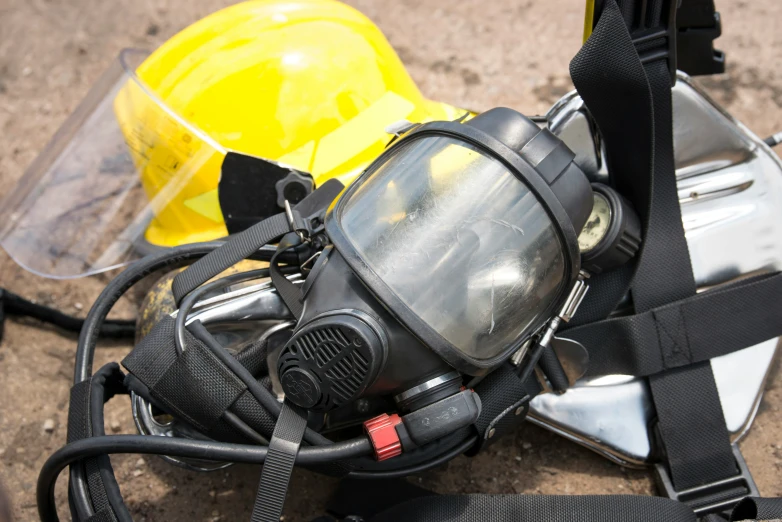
pixel 715 497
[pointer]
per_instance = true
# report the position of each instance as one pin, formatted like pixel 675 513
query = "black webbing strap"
pixel 279 463
pixel 707 325
pixel 629 97
pixel 504 403
pixel 689 414
pixel 413 504
pixel 612 82
pixel 289 292
pixel 754 508
pixel 237 248
pixel 362 499
pixel 543 508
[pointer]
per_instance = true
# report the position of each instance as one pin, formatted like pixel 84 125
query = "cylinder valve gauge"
pixel 612 234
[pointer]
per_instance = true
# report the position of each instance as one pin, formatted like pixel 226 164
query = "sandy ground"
pixel 471 54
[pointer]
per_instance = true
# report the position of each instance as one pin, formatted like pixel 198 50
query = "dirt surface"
pixel 472 54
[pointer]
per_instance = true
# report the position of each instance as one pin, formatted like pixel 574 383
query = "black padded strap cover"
pixel 80 427
pixel 79 412
pixel 195 386
pixel 88 396
pixel 105 384
pixel 206 389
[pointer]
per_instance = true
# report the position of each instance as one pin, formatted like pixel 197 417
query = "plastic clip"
pixel 714 497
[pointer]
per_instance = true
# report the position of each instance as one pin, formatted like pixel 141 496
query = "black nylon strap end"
pixel 279 463
pixel 504 403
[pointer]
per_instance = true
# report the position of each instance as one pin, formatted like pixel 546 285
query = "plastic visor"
pixel 460 240
pixel 81 207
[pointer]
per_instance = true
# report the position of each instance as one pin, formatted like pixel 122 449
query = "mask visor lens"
pixel 461 240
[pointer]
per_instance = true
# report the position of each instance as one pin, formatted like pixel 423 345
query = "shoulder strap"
pixel 624 75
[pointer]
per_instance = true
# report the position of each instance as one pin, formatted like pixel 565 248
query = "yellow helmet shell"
pixel 308 83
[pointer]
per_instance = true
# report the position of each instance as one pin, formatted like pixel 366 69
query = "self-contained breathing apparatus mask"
pixel 454 249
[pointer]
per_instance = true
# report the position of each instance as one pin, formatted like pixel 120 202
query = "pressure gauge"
pixel 612 234
pixel 597 225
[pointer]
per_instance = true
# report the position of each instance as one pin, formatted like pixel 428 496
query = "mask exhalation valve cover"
pixel 330 361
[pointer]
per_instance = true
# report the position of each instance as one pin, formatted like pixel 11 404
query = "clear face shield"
pixel 91 200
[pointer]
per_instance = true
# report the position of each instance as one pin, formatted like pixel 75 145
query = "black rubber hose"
pixel 196 449
pixel 242 427
pixel 553 370
pixel 13 304
pixel 437 461
pixel 193 297
pixel 773 140
pixel 85 350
